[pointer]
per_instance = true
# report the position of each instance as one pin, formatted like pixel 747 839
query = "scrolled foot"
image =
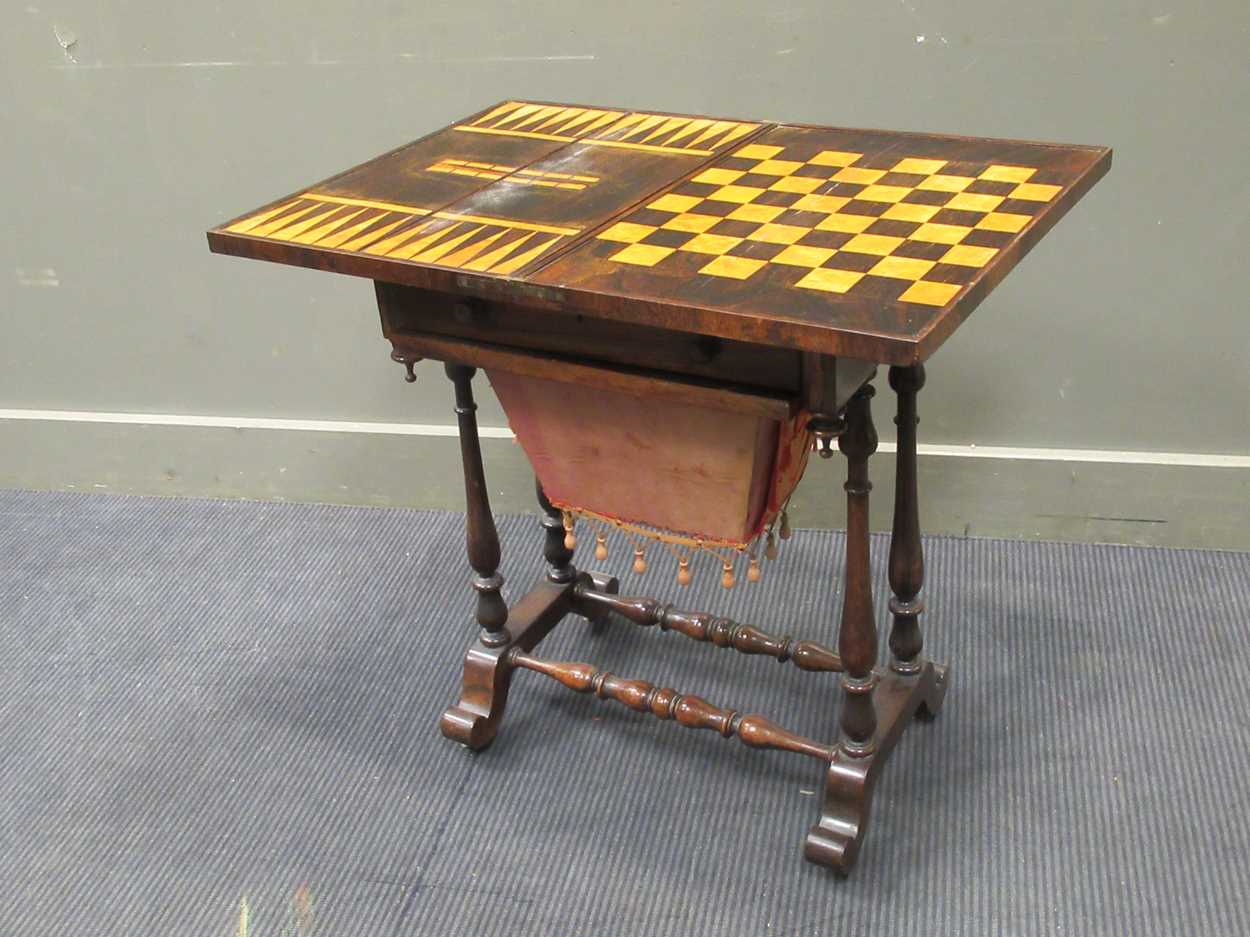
pixel 474 718
pixel 834 842
pixel 470 729
pixel 834 849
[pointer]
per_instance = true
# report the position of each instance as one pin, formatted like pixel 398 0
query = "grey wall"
pixel 1127 328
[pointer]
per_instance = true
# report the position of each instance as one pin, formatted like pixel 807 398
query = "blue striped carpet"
pixel 209 706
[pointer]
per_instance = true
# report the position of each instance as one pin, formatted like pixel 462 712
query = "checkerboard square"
pixel 717 176
pixel 883 193
pixel 710 243
pixel 879 244
pixel 799 255
pixel 825 203
pixel 847 224
pixel 968 201
pixel 776 167
pixel 941 233
pixel 830 281
pixel 902 268
pixel 941 183
pixel 751 212
pixel 800 184
pixel 920 167
pixel 1003 221
pixel 998 173
pixel 644 255
pixel 861 176
pixel 930 293
pixel 691 222
pixel 965 255
pixel 739 268
pixel 1033 192
pixel 834 158
pixel 778 233
pixel 736 193
pixel 907 211
pixel 626 233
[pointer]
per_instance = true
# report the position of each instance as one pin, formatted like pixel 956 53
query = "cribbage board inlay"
pixel 832 240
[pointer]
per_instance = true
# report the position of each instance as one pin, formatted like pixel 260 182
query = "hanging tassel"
pixel 753 570
pixel 784 529
pixel 770 550
pixel 570 539
pixel 727 577
pixel 640 562
pixel 683 572
pixel 601 547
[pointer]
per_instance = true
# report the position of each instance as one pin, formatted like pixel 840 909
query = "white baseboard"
pixel 1043 454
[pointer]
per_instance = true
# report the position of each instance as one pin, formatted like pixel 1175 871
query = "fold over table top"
pixel 864 243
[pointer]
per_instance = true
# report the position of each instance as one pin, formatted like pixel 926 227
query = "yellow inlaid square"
pixel 968 256
pixel 801 184
pixel 906 211
pixel 691 222
pixel 845 224
pixel 800 255
pixel 778 233
pixel 1003 221
pixel 880 244
pixel 644 255
pixel 737 267
pixel 736 193
pixel 854 174
pixel 921 167
pixel 776 167
pixel 717 176
pixel 759 151
pixel 884 193
pixel 675 203
pixel 1035 192
pixel 930 293
pixel 834 158
pixel 970 201
pixel 941 233
pixel 831 281
pixel 826 203
pixel 902 268
pixel 762 213
pixel 626 232
pixel 1007 173
pixel 941 183
pixel 710 243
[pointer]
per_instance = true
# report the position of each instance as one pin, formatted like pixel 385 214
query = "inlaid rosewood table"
pixel 674 311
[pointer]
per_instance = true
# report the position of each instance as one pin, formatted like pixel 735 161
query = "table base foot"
pixel 836 839
pixel 474 719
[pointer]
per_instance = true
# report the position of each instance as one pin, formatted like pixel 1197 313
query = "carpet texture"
pixel 210 706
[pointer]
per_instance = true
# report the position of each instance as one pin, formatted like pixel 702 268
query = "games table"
pixel 674 310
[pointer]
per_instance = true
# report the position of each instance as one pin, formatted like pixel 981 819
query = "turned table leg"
pixel 481 537
pixel 474 718
pixel 857 636
pixel 906 553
